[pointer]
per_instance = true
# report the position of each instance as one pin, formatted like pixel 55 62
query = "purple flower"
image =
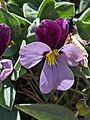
pixel 52 33
pixel 55 73
pixel 4 37
pixel 6 68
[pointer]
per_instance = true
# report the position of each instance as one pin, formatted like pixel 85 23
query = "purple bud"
pixel 64 28
pixel 49 33
pixel 5 34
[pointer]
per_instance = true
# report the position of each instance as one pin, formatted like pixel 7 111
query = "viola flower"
pixel 55 73
pixel 52 33
pixel 4 37
pixel 6 67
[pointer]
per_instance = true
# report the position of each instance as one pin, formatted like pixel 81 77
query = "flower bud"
pixel 5 34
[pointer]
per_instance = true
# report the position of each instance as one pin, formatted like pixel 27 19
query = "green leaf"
pixel 87 116
pixel 29 13
pixel 0 85
pixel 75 71
pixel 23 43
pixel 47 111
pixel 88 48
pixel 17 73
pixel 83 25
pixel 9 115
pixel 83 4
pixel 34 3
pixel 83 29
pixel 86 71
pixel 64 9
pixel 12 21
pixel 85 16
pixel 31 31
pixel 52 10
pixel 7 95
pixel 45 9
pixel 82 107
pixel 12 8
pixel 88 98
pixel 23 21
pixel 18 70
pixel 10 51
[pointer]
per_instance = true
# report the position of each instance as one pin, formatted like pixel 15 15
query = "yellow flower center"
pixel 52 57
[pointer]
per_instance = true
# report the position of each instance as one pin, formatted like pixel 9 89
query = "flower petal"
pixel 49 33
pixel 7 68
pixel 64 28
pixel 32 54
pixel 73 53
pixel 57 76
pixel 65 76
pixel 77 41
pixel 47 78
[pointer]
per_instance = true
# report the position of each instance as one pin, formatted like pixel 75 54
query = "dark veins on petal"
pixel 52 33
pixel 65 30
pixel 49 33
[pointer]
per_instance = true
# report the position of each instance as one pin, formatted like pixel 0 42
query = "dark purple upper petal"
pixel 64 28
pixel 49 33
pixel 4 37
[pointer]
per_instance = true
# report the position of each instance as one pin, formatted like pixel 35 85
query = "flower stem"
pixel 78 92
pixel 36 85
pixel 76 88
pixel 84 77
pixel 60 99
pixel 34 91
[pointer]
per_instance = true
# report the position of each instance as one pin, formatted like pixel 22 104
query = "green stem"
pixel 76 88
pixel 30 96
pixel 52 94
pixel 36 85
pixel 60 99
pixel 84 77
pixel 35 96
pixel 34 91
pixel 31 93
pixel 78 92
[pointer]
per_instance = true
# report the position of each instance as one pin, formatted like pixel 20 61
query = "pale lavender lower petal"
pixel 65 76
pixel 32 54
pixel 57 76
pixel 73 53
pixel 7 68
pixel 48 78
